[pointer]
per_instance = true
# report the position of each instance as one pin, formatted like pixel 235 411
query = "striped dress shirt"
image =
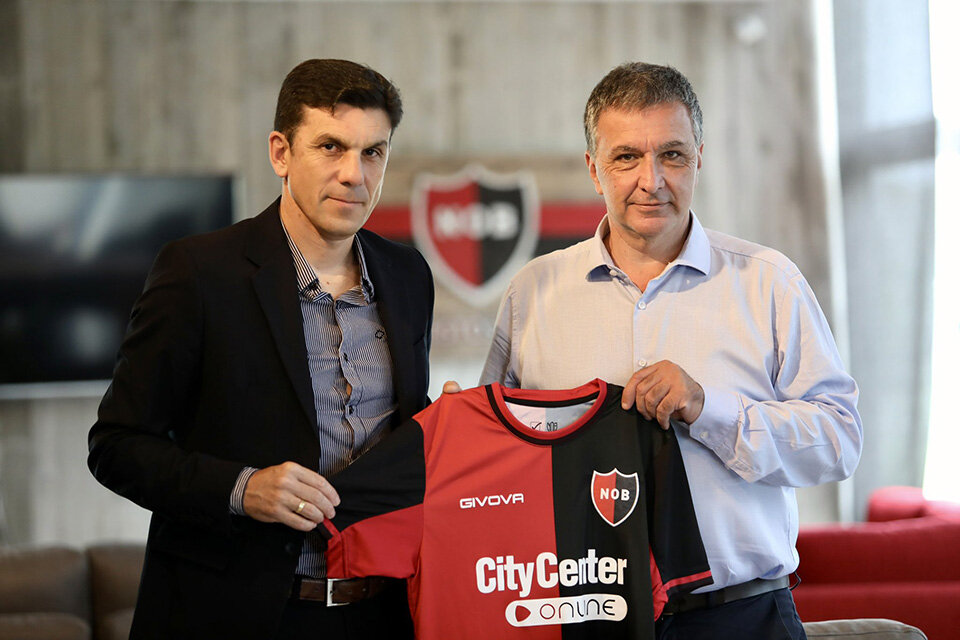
pixel 346 345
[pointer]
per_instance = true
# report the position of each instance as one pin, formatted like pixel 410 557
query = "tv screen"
pixel 74 253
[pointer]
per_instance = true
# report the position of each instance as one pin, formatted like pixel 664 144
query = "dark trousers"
pixel 385 615
pixel 768 616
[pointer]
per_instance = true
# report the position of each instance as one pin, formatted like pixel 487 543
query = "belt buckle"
pixel 330 583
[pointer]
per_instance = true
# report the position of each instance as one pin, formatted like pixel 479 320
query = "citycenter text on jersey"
pixel 502 573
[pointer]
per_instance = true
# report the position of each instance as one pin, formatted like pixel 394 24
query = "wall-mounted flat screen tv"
pixel 74 253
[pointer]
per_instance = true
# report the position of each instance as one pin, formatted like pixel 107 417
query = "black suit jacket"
pixel 212 377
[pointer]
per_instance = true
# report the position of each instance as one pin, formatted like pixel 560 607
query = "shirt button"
pixel 641 363
pixel 613 273
pixel 641 305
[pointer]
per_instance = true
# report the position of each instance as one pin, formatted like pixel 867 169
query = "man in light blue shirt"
pixel 720 337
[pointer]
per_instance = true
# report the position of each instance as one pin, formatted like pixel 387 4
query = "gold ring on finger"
pixel 300 507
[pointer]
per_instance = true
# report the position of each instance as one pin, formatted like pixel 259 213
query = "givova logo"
pixel 490 501
pixel 566 610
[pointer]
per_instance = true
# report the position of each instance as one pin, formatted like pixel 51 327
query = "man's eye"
pixel 373 153
pixel 626 157
pixel 328 146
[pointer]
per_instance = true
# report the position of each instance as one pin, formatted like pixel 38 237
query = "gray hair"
pixel 638 85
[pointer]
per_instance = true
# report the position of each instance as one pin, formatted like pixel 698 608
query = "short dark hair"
pixel 324 84
pixel 638 85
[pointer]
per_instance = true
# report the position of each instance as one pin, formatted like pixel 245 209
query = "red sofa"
pixel 902 564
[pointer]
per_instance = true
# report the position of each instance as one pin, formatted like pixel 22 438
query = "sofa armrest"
pixel 918 549
pixel 897 503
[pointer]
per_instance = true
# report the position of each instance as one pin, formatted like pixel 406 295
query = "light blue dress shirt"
pixel 779 408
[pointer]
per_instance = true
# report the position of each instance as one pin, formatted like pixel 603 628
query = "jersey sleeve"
pixel 379 522
pixel 677 551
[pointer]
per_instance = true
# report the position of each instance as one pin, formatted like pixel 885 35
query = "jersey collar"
pixel 498 396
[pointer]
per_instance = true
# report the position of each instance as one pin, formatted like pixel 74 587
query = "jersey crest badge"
pixel 614 495
pixel 476 228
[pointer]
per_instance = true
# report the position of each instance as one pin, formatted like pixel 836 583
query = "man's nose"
pixel 650 179
pixel 351 169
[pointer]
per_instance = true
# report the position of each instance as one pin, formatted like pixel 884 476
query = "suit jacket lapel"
pixel 275 283
pixel 392 301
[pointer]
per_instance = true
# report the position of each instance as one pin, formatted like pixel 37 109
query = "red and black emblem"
pixel 614 495
pixel 476 228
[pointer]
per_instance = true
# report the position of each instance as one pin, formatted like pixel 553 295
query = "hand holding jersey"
pixel 663 391
pixel 290 494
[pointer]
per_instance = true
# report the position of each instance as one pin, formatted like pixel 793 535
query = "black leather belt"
pixel 335 592
pixel 694 601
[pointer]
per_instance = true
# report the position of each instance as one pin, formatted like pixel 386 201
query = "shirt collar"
pixel 307 281
pixel 599 262
pixel 695 252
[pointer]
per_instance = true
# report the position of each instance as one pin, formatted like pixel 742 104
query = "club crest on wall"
pixel 476 228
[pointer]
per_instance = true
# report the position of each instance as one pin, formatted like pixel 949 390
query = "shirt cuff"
pixel 718 422
pixel 236 496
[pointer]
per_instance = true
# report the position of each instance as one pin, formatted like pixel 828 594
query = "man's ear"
pixel 279 149
pixel 592 168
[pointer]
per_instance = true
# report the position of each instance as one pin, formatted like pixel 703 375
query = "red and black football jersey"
pixel 507 531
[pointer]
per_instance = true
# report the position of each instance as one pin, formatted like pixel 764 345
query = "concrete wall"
pixel 189 87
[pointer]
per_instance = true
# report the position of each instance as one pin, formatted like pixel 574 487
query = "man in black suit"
pixel 260 359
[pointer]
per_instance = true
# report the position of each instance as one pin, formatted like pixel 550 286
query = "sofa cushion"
pixel 44 579
pixel 114 576
pixel 43 626
pixel 114 579
pixel 863 629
